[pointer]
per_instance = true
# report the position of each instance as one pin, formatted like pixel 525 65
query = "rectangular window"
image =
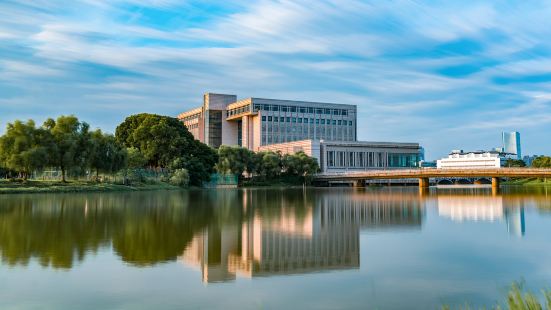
pixel 336 112
pixel 281 119
pixel 330 159
pixel 311 121
pixel 319 111
pixel 263 118
pixel 317 120
pixel 276 119
pixel 339 122
pixel 303 110
pixel 350 123
pixel 300 120
pixel 284 108
pixel 293 109
pixel 288 119
pixel 265 107
pixel 305 120
pixel 294 120
pixel 344 112
pixel 351 161
pixel 269 118
pixel 323 121
pixel 311 110
pixel 275 108
pixel 334 122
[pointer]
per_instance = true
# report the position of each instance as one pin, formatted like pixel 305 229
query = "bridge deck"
pixel 437 173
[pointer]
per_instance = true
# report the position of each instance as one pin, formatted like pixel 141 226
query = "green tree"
pixel 107 155
pixel 515 163
pixel 268 164
pixel 542 162
pixel 135 158
pixel 165 142
pixel 161 139
pixel 24 148
pixel 71 143
pixel 234 160
pixel 301 165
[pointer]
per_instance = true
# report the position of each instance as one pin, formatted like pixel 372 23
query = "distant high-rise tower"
pixel 511 143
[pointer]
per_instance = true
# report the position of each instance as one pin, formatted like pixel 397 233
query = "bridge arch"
pixel 484 181
pixel 444 182
pixel 463 181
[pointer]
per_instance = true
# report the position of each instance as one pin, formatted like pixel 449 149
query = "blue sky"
pixel 447 74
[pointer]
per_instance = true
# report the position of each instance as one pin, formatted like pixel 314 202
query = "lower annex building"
pixel 326 131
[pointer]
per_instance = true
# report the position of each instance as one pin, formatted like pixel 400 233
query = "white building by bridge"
pixel 472 160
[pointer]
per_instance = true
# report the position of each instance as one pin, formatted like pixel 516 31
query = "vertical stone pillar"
pixel 495 182
pixel 423 182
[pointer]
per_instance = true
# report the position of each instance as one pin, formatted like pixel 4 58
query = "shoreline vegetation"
pixel 33 186
pixel 147 151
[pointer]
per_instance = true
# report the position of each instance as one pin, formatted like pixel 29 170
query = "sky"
pixel 446 74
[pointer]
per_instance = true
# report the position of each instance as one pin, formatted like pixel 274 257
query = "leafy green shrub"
pixel 180 177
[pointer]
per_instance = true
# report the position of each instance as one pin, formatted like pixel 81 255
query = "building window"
pixel 341 159
pixel 263 118
pixel 323 121
pixel 265 107
pixel 288 119
pixel 311 121
pixel 269 118
pixel 334 122
pixel 350 123
pixel 275 108
pixel 311 110
pixel 303 110
pixel 284 108
pixel 330 159
pixel 293 109
pixel 300 120
pixel 344 112
pixel 281 119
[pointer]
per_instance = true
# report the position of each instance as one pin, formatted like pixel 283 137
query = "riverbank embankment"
pixel 33 186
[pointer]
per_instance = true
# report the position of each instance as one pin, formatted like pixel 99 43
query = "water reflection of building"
pixel 296 240
pixel 461 208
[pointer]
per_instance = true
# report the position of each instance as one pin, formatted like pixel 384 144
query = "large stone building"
pixel 326 131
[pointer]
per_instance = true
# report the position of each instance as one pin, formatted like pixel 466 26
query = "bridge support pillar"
pixel 359 183
pixel 495 182
pixel 423 182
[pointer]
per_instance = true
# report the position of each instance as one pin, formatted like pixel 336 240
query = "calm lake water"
pixel 383 248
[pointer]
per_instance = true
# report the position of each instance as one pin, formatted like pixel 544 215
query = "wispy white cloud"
pixel 416 70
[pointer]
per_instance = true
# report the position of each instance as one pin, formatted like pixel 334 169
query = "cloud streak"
pixel 449 76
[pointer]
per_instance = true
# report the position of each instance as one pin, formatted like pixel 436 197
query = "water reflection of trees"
pixel 143 229
pixel 60 229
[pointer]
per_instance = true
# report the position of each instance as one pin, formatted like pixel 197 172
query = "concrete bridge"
pixel 423 174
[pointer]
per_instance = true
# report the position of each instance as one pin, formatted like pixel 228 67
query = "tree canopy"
pixel 542 162
pixel 166 143
pixel 24 148
pixel 515 163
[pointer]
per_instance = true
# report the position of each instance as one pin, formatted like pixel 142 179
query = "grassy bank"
pixel 528 181
pixel 32 186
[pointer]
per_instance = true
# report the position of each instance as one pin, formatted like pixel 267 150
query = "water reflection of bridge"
pixel 324 236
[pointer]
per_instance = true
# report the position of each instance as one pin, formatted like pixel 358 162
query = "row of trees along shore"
pixel 144 145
